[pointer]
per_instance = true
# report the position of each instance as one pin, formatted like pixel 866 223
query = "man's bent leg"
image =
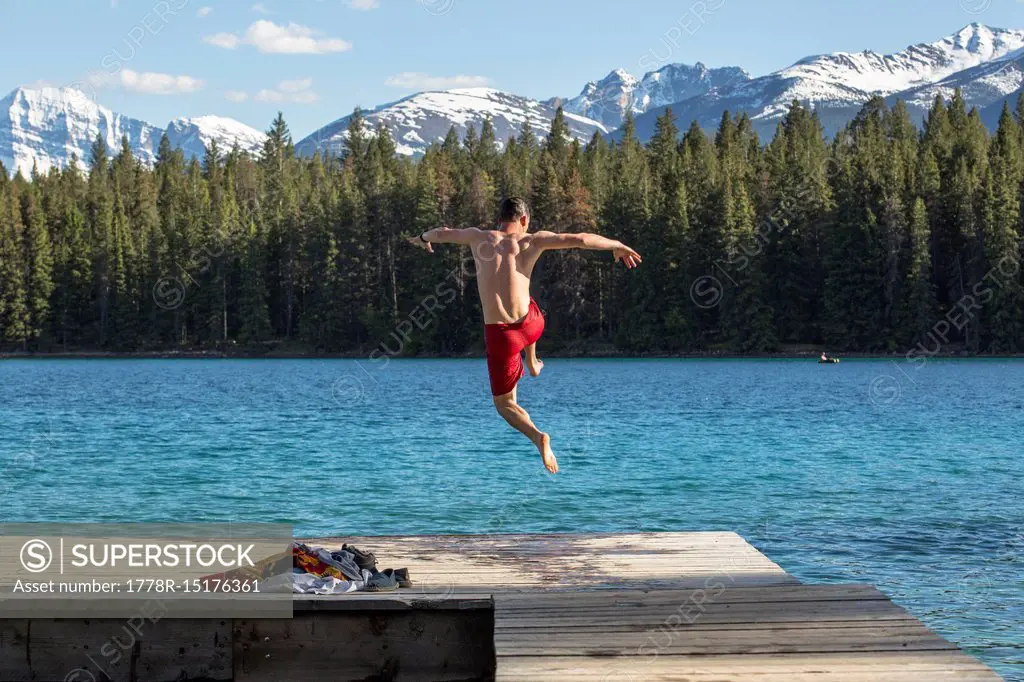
pixel 519 419
pixel 533 363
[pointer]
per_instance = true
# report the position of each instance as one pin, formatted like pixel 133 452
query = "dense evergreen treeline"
pixel 881 239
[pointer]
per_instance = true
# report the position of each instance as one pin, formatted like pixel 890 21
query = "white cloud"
pixel 413 80
pixel 150 83
pixel 294 38
pixel 295 86
pixel 364 4
pixel 236 96
pixel 270 38
pixel 260 8
pixel 228 41
pixel 295 91
pixel 204 12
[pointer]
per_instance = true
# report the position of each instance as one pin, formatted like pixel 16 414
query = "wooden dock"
pixel 452 564
pixel 668 606
pixel 695 607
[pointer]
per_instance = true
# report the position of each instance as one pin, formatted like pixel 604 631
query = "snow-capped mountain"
pixel 46 126
pixel 606 100
pixel 419 120
pixel 918 64
pixel 609 99
pixel 838 84
pixel 194 135
pixel 981 86
pixel 677 82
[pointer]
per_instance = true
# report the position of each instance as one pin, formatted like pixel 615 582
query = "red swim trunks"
pixel 505 344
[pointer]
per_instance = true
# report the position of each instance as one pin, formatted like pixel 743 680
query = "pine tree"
pixel 152 261
pixel 557 142
pixel 524 163
pixel 38 261
pixel 661 243
pixel 219 244
pixel 852 301
pixel 626 214
pixel 15 313
pixel 797 204
pixel 486 156
pixel 100 220
pixel 72 251
pixel 547 199
pixel 919 312
pixel 254 314
pixel 1001 218
pixel 280 215
pixel 356 142
pixel 121 255
pixel 663 155
pixel 704 245
pixel 573 290
pixel 747 319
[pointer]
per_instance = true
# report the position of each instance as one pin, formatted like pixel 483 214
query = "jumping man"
pixel 505 258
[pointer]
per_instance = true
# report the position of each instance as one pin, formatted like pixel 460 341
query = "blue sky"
pixel 317 59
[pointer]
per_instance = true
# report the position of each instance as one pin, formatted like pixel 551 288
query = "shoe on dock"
pixel 365 560
pixel 384 581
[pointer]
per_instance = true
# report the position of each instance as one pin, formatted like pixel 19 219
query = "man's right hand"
pixel 426 246
pixel 628 256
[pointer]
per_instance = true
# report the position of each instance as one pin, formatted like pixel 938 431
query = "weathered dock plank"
pixel 820 632
pixel 920 666
pixel 455 564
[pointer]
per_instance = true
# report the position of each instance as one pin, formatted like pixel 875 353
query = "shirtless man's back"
pixel 513 323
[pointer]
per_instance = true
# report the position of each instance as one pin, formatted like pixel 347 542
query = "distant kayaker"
pixel 505 258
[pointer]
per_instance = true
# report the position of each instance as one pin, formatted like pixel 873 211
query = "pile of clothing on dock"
pixel 319 571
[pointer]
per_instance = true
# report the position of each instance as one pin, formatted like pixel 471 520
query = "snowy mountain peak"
pixel 985 42
pixel 46 126
pixel 618 93
pixel 974 37
pixel 870 72
pixel 195 134
pixel 482 92
pixel 420 120
pixel 49 96
pixel 619 75
pixel 50 101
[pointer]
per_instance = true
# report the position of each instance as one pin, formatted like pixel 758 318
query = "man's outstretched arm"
pixel 584 240
pixel 445 235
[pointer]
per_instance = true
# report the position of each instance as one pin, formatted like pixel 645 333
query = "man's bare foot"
pixel 547 454
pixel 535 366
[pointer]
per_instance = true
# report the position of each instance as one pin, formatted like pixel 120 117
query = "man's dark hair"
pixel 512 209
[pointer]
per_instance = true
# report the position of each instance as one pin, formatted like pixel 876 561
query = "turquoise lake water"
pixel 904 476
